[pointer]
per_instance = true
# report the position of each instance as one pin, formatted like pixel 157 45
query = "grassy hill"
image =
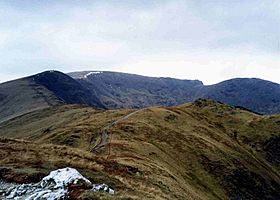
pixel 201 150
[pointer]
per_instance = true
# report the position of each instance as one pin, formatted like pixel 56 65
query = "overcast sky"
pixel 209 40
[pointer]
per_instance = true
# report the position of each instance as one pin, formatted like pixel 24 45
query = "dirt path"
pixel 104 132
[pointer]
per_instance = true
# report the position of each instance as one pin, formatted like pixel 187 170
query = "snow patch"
pixel 63 177
pixel 52 187
pixel 102 187
pixel 92 73
pixel 48 194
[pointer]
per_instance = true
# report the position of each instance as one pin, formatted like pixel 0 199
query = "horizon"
pixel 17 78
pixel 184 39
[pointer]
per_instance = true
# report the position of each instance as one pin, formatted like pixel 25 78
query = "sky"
pixel 209 40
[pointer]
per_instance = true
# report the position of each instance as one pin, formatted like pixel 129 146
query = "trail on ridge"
pixel 104 132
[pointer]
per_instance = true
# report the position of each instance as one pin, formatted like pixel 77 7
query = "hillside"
pixel 255 94
pixel 201 150
pixel 121 90
pixel 40 91
pixel 67 89
pixel 24 95
pixel 112 90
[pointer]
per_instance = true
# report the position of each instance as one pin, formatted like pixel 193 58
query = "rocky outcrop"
pixel 57 185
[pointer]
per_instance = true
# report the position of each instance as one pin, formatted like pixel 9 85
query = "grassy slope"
pixel 22 96
pixel 202 150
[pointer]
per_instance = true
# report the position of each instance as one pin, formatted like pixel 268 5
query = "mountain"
pixel 40 91
pixel 24 95
pixel 113 90
pixel 201 150
pixel 67 89
pixel 255 94
pixel 121 90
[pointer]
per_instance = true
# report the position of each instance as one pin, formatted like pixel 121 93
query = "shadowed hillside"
pixel 67 89
pixel 255 94
pixel 202 150
pixel 40 91
pixel 24 95
pixel 121 90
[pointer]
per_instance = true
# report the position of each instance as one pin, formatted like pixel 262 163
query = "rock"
pixel 55 186
pixel 62 178
pixel 102 188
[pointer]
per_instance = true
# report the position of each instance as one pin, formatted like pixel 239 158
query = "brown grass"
pixel 202 150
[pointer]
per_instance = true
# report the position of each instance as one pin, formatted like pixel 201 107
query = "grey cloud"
pixel 84 34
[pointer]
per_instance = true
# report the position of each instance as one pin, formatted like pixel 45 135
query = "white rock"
pixel 102 187
pixel 62 177
pixel 49 195
pixel 52 187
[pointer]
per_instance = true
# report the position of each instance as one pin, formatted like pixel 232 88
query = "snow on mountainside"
pixel 91 73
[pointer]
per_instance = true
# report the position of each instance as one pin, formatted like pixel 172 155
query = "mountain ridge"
pixel 42 90
pixel 117 90
pixel 122 90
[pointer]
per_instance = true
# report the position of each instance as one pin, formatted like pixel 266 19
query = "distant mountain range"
pixel 114 90
pixel 120 90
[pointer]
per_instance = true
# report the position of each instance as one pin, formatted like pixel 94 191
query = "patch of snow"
pixel 102 188
pixel 48 194
pixel 91 73
pixel 63 177
pixel 52 187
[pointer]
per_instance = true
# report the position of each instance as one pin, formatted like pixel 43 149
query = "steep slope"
pixel 121 90
pixel 40 91
pixel 202 150
pixel 66 88
pixel 24 95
